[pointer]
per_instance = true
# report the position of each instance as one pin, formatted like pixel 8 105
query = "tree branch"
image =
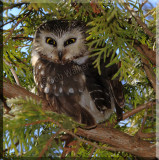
pixel 138 19
pixel 148 53
pixel 148 69
pixel 13 91
pixel 14 5
pixel 138 109
pixel 21 38
pixel 13 72
pixel 116 138
pixel 113 137
pixel 12 30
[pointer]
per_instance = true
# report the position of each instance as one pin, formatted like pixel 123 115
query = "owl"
pixel 65 77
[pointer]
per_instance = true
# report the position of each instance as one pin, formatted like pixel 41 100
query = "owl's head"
pixel 60 41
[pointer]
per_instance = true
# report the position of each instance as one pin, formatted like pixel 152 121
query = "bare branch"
pixel 148 53
pixel 12 30
pixel 138 109
pixel 13 72
pixel 21 38
pixel 148 69
pixel 93 149
pixel 14 5
pixel 48 144
pixel 143 3
pixel 138 19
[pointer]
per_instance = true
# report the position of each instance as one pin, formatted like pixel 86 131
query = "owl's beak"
pixel 60 55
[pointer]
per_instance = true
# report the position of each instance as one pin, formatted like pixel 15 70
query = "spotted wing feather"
pixel 102 89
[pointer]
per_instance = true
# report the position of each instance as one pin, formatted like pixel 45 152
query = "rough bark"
pixel 121 140
pixel 110 136
pixel 147 66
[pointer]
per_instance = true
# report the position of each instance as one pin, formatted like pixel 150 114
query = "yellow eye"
pixel 51 41
pixel 70 41
pixel 73 40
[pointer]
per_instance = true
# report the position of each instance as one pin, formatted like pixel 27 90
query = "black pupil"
pixel 70 41
pixel 51 41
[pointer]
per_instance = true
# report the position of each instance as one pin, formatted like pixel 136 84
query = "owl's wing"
pixel 103 89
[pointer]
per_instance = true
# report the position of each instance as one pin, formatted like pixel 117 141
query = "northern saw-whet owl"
pixel 66 78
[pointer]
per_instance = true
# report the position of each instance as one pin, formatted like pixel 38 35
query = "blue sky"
pixel 16 11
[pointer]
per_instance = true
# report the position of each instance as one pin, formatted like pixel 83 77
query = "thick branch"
pixel 148 69
pixel 121 140
pixel 107 135
pixel 13 91
pixel 148 53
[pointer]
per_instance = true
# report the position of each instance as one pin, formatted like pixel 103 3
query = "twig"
pixel 143 3
pixel 13 72
pixel 138 19
pixel 14 5
pixel 148 13
pixel 6 106
pixel 21 38
pixel 48 144
pixel 93 149
pixel 10 21
pixel 12 30
pixel 138 109
pixel 142 125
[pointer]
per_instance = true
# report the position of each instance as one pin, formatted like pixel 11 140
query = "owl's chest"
pixel 59 80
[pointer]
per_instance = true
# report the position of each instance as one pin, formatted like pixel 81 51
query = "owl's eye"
pixel 70 41
pixel 51 41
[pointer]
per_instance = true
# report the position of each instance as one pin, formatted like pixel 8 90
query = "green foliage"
pixel 32 128
pixel 112 30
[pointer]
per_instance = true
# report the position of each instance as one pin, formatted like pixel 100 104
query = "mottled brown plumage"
pixel 65 76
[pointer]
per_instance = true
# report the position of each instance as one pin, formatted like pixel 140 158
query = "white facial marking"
pixel 34 58
pixel 71 90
